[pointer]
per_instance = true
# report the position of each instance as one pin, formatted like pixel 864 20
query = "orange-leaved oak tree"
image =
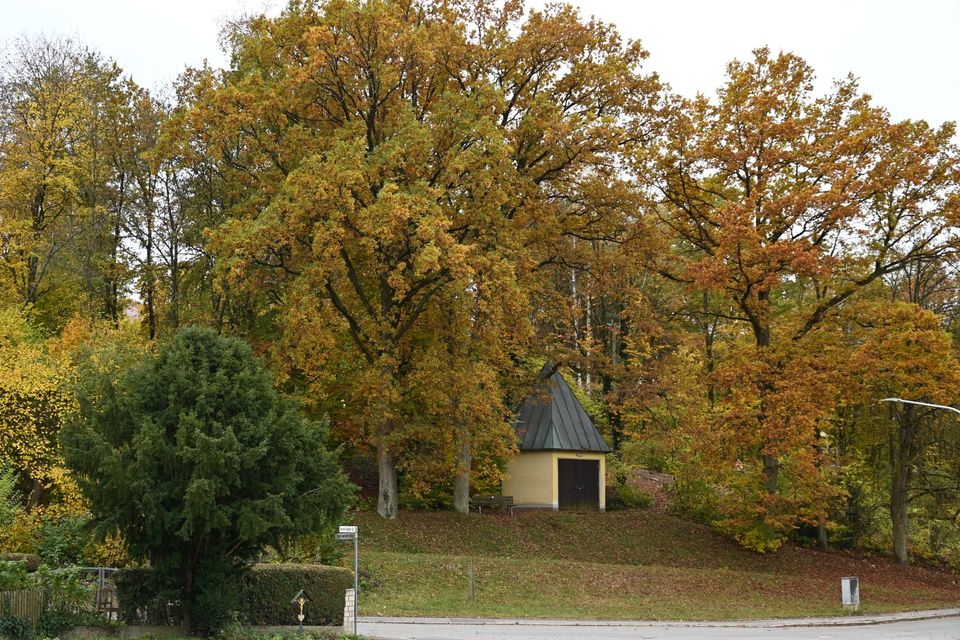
pixel 787 203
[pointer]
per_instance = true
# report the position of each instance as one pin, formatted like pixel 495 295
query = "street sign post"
pixel 351 532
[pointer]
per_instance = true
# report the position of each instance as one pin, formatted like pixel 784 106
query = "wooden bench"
pixel 503 502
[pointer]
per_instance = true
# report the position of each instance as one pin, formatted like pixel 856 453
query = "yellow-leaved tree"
pixel 392 161
pixel 34 400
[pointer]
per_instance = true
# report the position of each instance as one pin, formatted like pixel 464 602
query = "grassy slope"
pixel 627 565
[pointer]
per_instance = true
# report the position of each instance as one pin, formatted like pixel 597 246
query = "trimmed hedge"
pixel 30 559
pixel 263 595
pixel 138 599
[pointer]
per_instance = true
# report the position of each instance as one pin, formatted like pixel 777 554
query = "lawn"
pixel 625 565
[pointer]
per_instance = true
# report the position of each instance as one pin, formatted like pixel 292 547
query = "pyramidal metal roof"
pixel 551 418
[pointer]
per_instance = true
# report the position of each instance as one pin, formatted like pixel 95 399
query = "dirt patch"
pixel 656 484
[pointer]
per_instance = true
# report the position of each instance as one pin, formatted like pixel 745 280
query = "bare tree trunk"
pixel 709 329
pixel 769 462
pixel 186 607
pixel 387 496
pixel 175 290
pixel 822 538
pixel 576 323
pixel 771 472
pixel 898 513
pixel 35 495
pixel 461 484
pixel 901 458
pixel 113 285
pixel 151 281
pixel 588 311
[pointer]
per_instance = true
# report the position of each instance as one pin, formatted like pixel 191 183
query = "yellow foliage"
pixel 35 399
pixel 112 552
pixel 33 405
pixel 23 533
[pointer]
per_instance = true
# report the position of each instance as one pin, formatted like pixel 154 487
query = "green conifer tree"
pixel 198 461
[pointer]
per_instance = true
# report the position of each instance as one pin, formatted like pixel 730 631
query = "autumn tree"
pixel 788 204
pixel 125 130
pixel 395 156
pixel 44 161
pixel 71 153
pixel 34 402
pixel 905 352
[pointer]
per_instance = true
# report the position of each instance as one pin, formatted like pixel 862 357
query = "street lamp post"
pixel 922 404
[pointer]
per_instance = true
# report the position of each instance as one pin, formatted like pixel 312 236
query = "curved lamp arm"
pixel 922 404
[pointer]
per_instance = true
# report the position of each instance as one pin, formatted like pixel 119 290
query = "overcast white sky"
pixel 907 54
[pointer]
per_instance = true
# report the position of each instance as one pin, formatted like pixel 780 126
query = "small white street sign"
pixel 349 532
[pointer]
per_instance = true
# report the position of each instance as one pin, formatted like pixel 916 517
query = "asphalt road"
pixel 939 628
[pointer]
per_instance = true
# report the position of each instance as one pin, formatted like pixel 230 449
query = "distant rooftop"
pixel 551 418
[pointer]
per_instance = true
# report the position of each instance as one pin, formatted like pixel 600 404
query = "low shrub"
pixel 625 496
pixel 649 453
pixel 67 590
pixel 14 628
pixel 63 540
pixel 239 632
pixel 22 534
pixel 263 595
pixel 31 560
pixel 13 575
pixel 140 600
pixel 694 499
pixel 54 623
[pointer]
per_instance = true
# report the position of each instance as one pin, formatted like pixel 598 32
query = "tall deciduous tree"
pixel 905 352
pixel 44 161
pixel 788 203
pixel 70 153
pixel 395 156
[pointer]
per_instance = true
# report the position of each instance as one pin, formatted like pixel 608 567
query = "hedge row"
pixel 263 595
pixel 31 560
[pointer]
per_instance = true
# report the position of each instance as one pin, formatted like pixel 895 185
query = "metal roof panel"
pixel 551 418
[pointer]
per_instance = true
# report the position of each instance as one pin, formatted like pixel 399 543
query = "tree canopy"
pixel 404 207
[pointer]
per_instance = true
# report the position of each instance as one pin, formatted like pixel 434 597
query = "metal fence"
pixel 92 590
pixel 105 596
pixel 101 580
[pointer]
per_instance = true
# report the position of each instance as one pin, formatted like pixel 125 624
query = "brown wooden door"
pixel 579 484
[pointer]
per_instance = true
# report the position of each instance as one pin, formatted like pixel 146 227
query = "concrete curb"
pixel 841 621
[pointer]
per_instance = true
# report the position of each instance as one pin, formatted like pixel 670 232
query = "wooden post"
pixel 471 582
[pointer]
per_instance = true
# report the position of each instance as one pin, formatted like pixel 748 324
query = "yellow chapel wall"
pixel 531 477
